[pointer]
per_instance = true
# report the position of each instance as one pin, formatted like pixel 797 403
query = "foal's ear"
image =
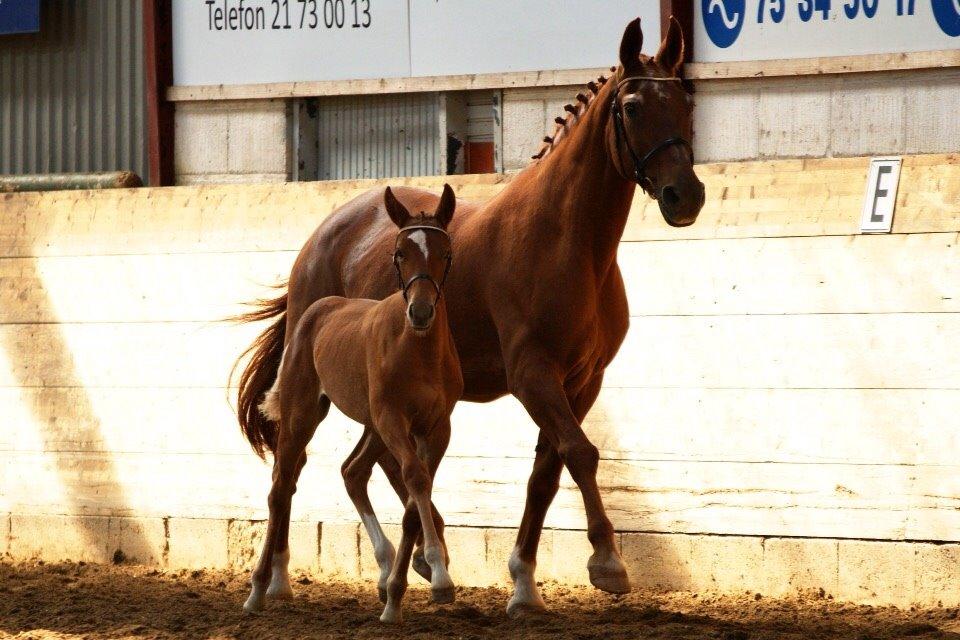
pixel 670 55
pixel 631 44
pixel 446 206
pixel 397 212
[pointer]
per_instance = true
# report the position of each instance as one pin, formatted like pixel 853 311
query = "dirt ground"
pixel 89 601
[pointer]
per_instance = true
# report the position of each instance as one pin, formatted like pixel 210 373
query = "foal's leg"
pixel 538 386
pixel 417 476
pixel 356 471
pixel 294 434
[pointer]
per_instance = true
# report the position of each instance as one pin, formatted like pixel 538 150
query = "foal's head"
pixel 651 127
pixel 422 255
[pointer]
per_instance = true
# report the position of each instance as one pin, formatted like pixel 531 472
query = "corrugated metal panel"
pixel 379 136
pixel 72 96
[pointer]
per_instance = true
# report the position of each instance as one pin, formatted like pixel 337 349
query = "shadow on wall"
pixel 68 469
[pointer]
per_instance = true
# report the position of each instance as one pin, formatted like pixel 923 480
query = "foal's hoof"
pixel 254 604
pixel 611 580
pixel 391 616
pixel 525 609
pixel 420 565
pixel 280 592
pixel 444 595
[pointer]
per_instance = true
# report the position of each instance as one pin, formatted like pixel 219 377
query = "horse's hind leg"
pixel 356 471
pixel 298 423
pixel 280 575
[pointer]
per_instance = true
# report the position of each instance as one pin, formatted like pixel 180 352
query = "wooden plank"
pixel 553 78
pixel 839 274
pixel 854 426
pixel 840 501
pixel 849 351
pixel 780 351
pixel 744 200
pixel 185 219
pixel 824 65
pixel 915 272
pixel 326 88
pixel 179 354
pixel 138 288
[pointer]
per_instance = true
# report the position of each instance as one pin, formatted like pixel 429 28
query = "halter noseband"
pixel 404 286
pixel 640 164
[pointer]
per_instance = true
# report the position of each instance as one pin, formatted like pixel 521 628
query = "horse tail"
pixel 260 373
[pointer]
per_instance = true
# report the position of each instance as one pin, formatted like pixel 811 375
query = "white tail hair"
pixel 270 407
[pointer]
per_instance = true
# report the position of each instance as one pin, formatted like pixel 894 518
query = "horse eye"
pixel 398 255
pixel 630 108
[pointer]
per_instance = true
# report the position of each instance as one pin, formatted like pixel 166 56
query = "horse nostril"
pixel 669 196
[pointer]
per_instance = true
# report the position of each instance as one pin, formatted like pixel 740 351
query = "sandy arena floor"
pixel 88 601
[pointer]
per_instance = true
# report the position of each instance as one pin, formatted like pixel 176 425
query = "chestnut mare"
pixel 391 366
pixel 536 305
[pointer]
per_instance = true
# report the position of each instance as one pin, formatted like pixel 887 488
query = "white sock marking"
pixel 525 590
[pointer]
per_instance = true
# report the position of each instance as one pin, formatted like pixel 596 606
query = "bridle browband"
pixel 640 164
pixel 404 286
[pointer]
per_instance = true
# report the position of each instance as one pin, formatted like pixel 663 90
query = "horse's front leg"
pixel 417 476
pixel 537 384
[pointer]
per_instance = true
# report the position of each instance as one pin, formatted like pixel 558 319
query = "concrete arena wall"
pixel 851 114
pixel 782 117
pixel 781 415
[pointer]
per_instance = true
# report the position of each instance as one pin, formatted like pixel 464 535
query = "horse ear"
pixel 670 55
pixel 397 212
pixel 631 44
pixel 446 206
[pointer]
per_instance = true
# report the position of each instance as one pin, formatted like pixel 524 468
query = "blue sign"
pixel 19 16
pixel 723 20
pixel 947 13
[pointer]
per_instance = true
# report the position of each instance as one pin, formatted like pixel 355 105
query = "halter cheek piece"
pixel 404 286
pixel 640 164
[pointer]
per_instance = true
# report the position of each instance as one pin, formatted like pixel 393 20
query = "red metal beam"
pixel 158 59
pixel 682 10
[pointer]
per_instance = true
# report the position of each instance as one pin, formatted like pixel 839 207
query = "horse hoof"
pixel 609 580
pixel 391 616
pixel 420 565
pixel 280 593
pixel 520 609
pixel 382 594
pixel 253 605
pixel 444 595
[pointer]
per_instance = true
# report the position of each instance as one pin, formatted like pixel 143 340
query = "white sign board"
pixel 880 199
pixel 261 41
pixel 729 30
pixel 452 37
pixel 257 41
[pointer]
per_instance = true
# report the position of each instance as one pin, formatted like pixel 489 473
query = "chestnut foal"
pixel 391 366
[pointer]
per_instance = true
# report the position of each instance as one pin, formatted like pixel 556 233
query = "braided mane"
pixel 572 113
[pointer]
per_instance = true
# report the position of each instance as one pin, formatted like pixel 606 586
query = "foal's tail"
pixel 260 373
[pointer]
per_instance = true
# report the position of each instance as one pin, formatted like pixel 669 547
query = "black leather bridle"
pixel 404 286
pixel 640 164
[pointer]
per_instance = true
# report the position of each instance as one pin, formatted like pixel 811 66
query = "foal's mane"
pixel 422 219
pixel 573 112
